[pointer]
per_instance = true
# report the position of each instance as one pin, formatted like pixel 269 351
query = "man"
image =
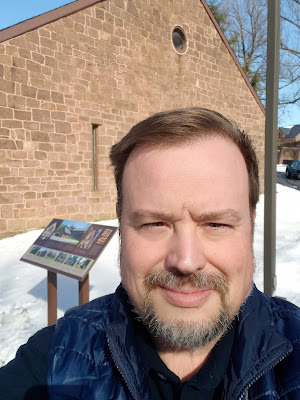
pixel 187 321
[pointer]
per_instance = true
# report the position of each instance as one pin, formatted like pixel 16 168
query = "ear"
pixel 118 211
pixel 253 216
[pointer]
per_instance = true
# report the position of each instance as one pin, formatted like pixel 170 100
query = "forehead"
pixel 209 170
pixel 210 149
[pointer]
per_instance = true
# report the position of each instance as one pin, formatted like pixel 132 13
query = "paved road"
pixel 283 180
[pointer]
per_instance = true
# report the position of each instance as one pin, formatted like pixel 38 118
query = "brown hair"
pixel 181 126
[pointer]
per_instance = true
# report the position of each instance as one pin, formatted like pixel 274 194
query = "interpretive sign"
pixel 69 247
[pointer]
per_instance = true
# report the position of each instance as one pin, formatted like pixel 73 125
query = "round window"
pixel 179 40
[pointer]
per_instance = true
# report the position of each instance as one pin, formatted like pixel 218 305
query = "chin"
pixel 182 331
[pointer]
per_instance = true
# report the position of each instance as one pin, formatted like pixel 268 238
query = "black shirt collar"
pixel 209 376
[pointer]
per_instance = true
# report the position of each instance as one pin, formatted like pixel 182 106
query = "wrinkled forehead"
pixel 216 166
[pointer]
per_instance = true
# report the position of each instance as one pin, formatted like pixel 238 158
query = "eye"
pixel 218 226
pixel 154 224
pixel 215 225
pixel 157 226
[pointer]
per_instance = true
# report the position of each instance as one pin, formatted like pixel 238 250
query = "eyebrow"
pixel 227 214
pixel 140 215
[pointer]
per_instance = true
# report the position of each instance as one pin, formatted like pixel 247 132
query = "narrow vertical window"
pixel 94 132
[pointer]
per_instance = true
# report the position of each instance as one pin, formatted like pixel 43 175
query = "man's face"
pixel 186 232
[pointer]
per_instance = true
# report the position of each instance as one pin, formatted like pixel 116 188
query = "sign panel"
pixel 69 247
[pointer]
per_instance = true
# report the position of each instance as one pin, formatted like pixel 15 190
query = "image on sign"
pixel 70 232
pixel 69 247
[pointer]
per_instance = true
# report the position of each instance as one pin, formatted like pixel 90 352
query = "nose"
pixel 185 251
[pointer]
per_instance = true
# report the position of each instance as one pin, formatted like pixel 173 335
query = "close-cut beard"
pixel 181 334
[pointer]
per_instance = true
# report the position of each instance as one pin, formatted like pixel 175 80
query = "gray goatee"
pixel 179 333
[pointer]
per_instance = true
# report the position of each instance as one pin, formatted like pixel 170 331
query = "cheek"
pixel 238 268
pixel 134 258
pixel 140 254
pixel 235 261
pixel 137 260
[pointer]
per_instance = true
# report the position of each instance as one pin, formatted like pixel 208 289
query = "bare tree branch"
pixel 290 21
pixel 246 22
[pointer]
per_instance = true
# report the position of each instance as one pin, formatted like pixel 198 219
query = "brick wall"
pixel 109 65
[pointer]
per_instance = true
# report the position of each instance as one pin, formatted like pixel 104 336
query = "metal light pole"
pixel 271 146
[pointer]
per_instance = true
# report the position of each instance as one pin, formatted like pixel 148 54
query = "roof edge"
pixel 234 57
pixel 78 5
pixel 46 18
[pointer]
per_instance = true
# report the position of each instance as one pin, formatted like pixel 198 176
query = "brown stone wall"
pixel 288 154
pixel 110 65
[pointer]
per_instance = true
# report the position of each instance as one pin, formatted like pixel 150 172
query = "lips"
pixel 186 296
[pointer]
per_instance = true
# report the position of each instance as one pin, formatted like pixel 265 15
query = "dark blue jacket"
pixel 94 356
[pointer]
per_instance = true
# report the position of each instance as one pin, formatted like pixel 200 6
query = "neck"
pixel 185 363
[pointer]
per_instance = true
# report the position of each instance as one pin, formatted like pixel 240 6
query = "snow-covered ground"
pixel 23 287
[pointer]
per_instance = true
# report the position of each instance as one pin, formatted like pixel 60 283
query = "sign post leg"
pixel 52 297
pixel 84 290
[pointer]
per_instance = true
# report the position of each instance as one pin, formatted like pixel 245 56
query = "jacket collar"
pixel 258 345
pixel 121 341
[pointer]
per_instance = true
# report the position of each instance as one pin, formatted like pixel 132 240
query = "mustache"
pixel 175 280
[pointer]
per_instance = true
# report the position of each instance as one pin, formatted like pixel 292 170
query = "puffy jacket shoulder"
pixel 79 350
pixel 264 362
pixel 287 371
pixel 280 377
pixel 92 356
pixel 287 318
pixel 96 312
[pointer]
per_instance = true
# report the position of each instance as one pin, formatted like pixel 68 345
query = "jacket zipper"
pixel 116 364
pixel 260 375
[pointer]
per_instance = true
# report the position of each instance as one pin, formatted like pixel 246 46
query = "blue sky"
pixel 15 11
pixel 291 116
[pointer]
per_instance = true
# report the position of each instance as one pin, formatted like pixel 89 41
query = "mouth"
pixel 186 296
